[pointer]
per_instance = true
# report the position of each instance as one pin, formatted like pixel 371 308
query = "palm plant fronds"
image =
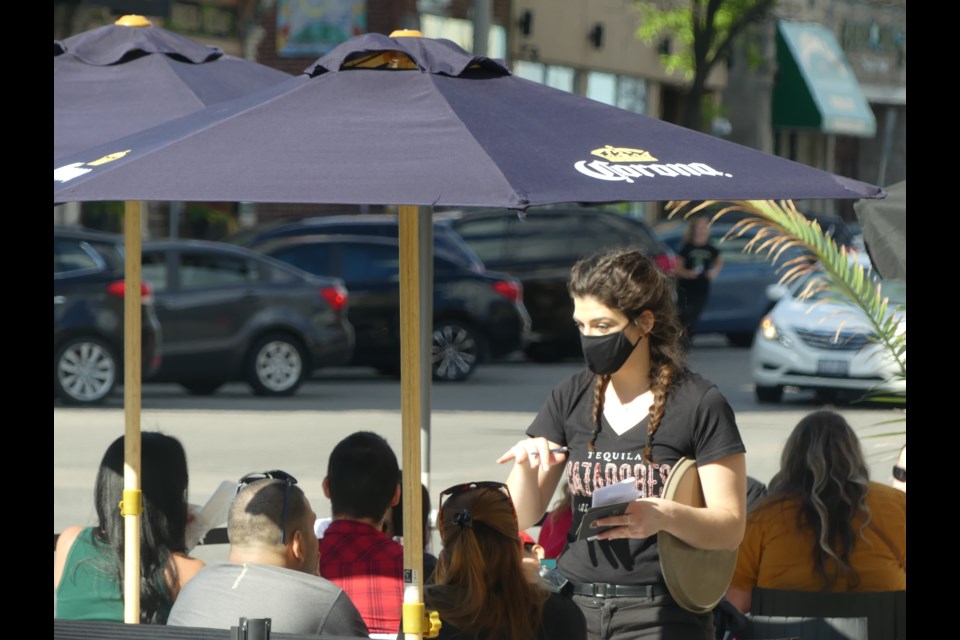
pixel 780 227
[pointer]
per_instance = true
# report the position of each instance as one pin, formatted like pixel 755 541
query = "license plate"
pixel 833 368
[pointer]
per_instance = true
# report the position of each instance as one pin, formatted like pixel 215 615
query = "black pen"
pixel 554 450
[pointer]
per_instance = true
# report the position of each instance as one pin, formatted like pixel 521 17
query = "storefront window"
pixel 550 75
pixel 619 91
pixel 602 87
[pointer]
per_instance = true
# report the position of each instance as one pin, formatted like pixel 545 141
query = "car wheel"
pixel 84 371
pixel 277 365
pixel 201 388
pixel 455 351
pixel 740 338
pixel 769 394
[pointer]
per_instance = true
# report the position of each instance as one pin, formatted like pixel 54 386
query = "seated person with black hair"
pixel 272 568
pixel 363 483
pixel 393 526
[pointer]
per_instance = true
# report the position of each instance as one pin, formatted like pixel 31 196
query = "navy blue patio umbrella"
pixel 421 122
pixel 125 77
pixel 116 80
pixel 417 122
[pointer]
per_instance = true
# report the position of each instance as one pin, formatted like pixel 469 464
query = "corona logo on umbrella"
pixel 620 171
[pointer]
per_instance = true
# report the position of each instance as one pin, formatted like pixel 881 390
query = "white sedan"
pixel 823 344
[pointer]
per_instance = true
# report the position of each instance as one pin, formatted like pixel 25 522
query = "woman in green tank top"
pixel 88 562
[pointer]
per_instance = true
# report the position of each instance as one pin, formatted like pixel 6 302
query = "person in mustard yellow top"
pixel 823 526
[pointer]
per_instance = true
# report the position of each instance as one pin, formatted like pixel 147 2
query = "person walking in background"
pixel 271 571
pixel 88 564
pixel 632 414
pixel 363 484
pixel 482 590
pixel 823 526
pixel 699 263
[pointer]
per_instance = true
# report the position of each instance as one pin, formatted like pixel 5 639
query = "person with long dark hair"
pixel 88 568
pixel 481 590
pixel 824 525
pixel 633 413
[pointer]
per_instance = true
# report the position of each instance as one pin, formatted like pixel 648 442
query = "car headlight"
pixel 768 330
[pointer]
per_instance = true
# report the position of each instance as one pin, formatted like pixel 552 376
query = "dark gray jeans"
pixel 659 617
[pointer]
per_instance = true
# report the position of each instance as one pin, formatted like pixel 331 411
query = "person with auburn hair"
pixel 88 565
pixel 482 590
pixel 632 413
pixel 823 526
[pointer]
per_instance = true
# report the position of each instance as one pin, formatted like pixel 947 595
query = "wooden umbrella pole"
pixel 132 504
pixel 416 277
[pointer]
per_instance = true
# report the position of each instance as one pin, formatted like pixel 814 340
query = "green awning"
pixel 815 87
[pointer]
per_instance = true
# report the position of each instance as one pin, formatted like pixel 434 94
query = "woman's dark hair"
pixel 626 280
pixel 483 558
pixel 163 483
pixel 822 466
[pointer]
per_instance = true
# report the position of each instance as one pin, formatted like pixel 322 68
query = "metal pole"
pixel 482 17
pixel 889 126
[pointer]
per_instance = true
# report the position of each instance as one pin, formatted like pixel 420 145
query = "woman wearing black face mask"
pixel 632 413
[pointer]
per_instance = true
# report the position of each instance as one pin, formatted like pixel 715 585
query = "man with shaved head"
pixel 272 568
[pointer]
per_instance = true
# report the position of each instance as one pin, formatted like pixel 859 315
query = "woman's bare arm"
pixel 532 483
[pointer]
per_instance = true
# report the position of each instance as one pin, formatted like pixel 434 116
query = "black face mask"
pixel 605 355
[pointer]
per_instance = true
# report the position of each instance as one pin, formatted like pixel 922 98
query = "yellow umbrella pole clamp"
pixel 417 621
pixel 132 503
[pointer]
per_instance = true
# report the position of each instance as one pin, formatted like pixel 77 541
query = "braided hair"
pixel 626 280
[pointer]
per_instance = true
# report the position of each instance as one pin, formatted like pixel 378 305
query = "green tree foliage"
pixel 702 33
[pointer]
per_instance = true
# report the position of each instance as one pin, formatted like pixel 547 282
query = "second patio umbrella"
pixel 884 224
pixel 122 78
pixel 119 79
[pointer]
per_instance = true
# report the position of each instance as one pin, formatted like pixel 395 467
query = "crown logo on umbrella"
pixel 623 154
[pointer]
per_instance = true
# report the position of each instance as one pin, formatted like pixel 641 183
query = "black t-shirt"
pixel 697 256
pixel 702 256
pixel 697 423
pixel 561 619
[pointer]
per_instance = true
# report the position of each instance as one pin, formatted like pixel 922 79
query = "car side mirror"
pixel 775 292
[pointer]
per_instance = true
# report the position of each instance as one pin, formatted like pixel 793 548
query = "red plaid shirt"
pixel 368 565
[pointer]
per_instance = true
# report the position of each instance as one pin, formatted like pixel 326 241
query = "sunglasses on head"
pixel 276 474
pixel 899 473
pixel 457 489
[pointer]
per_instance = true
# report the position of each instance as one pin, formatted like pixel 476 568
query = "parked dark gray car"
pixel 476 316
pixel 231 314
pixel 540 249
pixel 88 316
